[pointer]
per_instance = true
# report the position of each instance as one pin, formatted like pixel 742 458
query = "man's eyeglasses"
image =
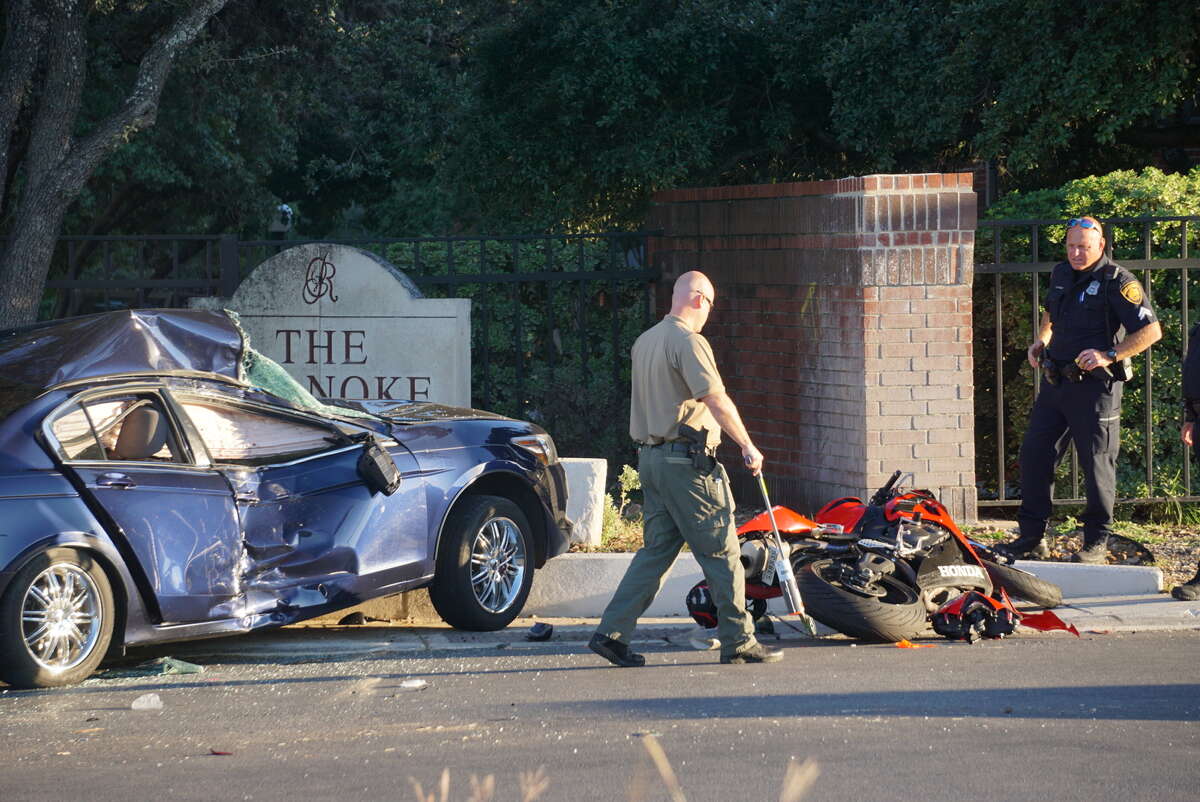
pixel 705 297
pixel 1082 222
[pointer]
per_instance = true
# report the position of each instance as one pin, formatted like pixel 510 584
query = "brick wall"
pixel 842 326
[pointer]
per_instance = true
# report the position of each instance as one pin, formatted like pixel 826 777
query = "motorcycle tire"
pixel 1024 585
pixel 896 615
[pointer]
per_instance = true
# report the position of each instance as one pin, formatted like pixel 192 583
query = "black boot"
pixel 1023 548
pixel 1190 590
pixel 615 652
pixel 755 654
pixel 1094 553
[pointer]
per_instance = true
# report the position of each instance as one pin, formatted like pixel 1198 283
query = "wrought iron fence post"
pixel 230 274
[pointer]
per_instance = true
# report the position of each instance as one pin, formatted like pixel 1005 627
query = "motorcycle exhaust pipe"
pixel 754 558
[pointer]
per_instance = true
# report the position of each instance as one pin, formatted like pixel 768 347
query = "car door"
pixel 311 526
pixel 174 518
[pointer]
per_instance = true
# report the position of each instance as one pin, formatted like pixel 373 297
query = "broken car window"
pixel 240 436
pixel 126 427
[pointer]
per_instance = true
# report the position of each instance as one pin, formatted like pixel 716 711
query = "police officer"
pixel 686 498
pixel 1090 299
pixel 1190 590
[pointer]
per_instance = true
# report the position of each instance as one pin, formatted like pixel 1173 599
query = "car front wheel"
pixel 484 568
pixel 56 620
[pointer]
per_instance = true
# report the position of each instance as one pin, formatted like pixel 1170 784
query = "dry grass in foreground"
pixel 797 781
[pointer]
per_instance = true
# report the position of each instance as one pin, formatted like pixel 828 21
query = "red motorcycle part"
pixel 756 590
pixel 703 609
pixel 701 606
pixel 793 523
pixel 974 615
pixel 848 512
pixel 1047 621
pixel 845 511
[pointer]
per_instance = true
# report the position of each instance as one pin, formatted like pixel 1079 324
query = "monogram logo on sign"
pixel 318 280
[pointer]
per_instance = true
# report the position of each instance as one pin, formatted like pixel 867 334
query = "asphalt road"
pixel 1048 717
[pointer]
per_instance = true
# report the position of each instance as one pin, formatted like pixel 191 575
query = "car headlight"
pixel 540 446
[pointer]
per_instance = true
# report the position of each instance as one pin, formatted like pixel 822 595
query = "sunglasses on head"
pixel 1082 223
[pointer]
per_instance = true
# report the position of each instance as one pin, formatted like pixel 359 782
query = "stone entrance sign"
pixel 347 324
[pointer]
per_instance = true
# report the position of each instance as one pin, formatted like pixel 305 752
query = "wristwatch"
pixel 1111 353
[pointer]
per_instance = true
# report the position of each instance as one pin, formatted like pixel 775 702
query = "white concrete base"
pixel 585 498
pixel 1078 580
pixel 580 585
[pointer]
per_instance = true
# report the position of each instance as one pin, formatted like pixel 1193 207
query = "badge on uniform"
pixel 1132 291
pixel 1093 288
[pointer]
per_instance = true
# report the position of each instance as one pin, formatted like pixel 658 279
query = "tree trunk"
pixel 57 167
pixel 26 29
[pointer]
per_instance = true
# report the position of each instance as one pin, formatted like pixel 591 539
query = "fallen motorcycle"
pixel 884 569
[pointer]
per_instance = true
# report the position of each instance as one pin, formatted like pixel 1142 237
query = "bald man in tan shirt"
pixel 675 382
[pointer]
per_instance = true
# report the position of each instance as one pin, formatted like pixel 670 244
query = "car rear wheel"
pixel 484 570
pixel 56 620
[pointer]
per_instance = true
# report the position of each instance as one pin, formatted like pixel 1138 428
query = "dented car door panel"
pixel 181 524
pixel 313 520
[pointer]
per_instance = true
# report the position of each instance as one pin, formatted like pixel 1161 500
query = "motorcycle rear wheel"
pixel 1024 585
pixel 896 614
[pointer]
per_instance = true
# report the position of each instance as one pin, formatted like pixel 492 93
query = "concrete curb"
pixel 312 641
pixel 580 585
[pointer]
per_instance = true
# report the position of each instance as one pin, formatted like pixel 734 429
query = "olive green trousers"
pixel 683 505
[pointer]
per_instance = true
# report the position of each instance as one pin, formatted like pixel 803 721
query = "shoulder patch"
pixel 1132 291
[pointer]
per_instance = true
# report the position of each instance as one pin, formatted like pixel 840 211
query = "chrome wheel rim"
pixel 497 564
pixel 61 617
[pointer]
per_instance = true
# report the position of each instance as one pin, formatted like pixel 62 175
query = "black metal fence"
pixel 553 317
pixel 1154 465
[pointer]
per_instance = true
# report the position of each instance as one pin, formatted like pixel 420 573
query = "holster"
pixel 1069 371
pixel 1122 369
pixel 697 440
pixel 1050 372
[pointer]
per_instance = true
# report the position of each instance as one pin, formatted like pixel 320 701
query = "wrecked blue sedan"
pixel 160 480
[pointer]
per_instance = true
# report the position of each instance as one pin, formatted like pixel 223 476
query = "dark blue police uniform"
pixel 1190 590
pixel 1087 309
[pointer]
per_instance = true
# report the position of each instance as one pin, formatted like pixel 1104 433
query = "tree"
pixel 1049 91
pixel 580 109
pixel 386 112
pixel 583 108
pixel 43 74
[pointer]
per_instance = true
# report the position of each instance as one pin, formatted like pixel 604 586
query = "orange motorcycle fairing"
pixel 792 523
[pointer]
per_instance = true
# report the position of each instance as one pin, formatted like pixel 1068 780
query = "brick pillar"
pixel 842 327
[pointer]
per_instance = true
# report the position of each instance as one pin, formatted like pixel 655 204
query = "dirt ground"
pixel 1173 548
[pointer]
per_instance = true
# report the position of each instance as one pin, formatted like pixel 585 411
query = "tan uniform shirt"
pixel 673 367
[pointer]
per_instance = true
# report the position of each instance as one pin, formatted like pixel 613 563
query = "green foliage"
pixel 554 352
pixel 227 121
pixel 1047 89
pixel 1149 192
pixel 629 481
pixel 412 117
pixel 620 530
pixel 618 533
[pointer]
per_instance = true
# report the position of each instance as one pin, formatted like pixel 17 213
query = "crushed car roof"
pixel 127 341
pixel 44 355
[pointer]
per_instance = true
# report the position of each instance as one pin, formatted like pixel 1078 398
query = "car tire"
pixel 484 564
pixel 56 620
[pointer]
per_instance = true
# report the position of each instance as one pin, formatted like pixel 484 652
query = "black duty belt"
pixel 678 444
pixel 1057 370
